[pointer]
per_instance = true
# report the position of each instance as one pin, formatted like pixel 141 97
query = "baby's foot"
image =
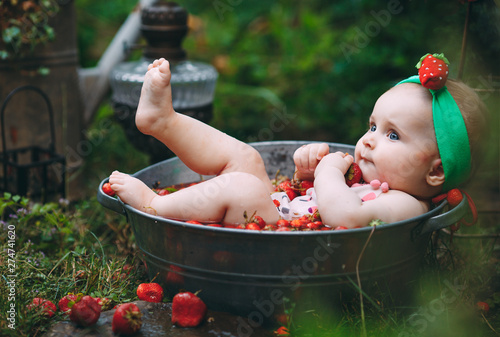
pixel 155 108
pixel 132 191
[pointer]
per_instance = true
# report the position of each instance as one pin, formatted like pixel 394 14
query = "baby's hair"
pixel 474 112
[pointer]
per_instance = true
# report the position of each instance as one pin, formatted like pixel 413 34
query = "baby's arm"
pixel 307 157
pixel 341 206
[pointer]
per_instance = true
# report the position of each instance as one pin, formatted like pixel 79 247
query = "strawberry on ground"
pixel 483 306
pixel 127 319
pixel 353 175
pixel 104 302
pixel 433 71
pixel 188 310
pixel 63 303
pixel 46 307
pixel 85 311
pixel 150 292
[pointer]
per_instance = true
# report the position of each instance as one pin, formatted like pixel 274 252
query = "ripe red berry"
pixel 85 311
pixel 188 310
pixel 63 303
pixel 454 197
pixel 353 175
pixel 127 319
pixel 46 307
pixel 483 306
pixel 150 292
pixel 106 188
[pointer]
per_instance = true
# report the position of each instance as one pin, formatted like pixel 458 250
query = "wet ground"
pixel 156 321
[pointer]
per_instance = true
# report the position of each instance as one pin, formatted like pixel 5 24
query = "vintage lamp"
pixel 164 26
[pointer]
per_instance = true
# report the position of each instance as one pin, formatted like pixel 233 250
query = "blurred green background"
pixel 318 66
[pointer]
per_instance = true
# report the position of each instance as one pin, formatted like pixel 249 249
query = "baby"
pixel 399 149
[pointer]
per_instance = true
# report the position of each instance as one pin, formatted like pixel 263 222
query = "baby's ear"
pixel 435 176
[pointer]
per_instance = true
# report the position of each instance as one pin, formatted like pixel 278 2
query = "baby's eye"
pixel 373 127
pixel 393 136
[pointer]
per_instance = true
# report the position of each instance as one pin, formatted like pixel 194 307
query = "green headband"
pixel 451 136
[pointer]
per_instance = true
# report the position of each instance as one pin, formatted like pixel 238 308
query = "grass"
pixel 80 247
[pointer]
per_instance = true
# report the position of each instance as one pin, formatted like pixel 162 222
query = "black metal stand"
pixel 16 176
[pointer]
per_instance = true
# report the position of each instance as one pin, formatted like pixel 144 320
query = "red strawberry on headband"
pixel 433 71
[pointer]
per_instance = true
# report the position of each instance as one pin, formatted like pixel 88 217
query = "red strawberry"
pixel 46 307
pixel 339 228
pixel 252 226
pixel 63 303
pixel 85 311
pixel 150 292
pixel 259 221
pixel 283 223
pixel 304 186
pixel 188 310
pixel 353 175
pixel 106 188
pixel 282 331
pixel 433 71
pixel 194 222
pixel 286 186
pixel 127 319
pixel 104 302
pixel 483 306
pixel 454 197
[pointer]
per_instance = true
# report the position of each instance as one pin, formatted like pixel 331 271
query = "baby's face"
pixel 400 145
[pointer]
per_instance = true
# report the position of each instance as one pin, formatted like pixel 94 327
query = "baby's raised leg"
pixel 223 199
pixel 201 147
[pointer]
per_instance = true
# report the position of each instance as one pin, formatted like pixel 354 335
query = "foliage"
pixel 48 250
pixel 25 24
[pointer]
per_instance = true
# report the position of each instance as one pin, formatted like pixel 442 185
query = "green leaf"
pixel 10 34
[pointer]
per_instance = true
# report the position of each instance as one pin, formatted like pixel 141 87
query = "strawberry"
pixel 282 331
pixel 84 311
pixel 259 221
pixel 188 310
pixel 483 306
pixel 46 307
pixel 287 187
pixel 353 175
pixel 106 188
pixel 339 228
pixel 433 71
pixel 127 319
pixel 63 303
pixel 252 226
pixel 304 186
pixel 454 197
pixel 104 302
pixel 194 222
pixel 150 292
pixel 283 223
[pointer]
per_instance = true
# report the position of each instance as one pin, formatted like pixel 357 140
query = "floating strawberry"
pixel 63 302
pixel 353 175
pixel 84 311
pixel 127 319
pixel 188 310
pixel 150 292
pixel 106 188
pixel 433 71
pixel 46 307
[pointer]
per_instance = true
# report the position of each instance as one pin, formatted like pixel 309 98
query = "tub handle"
pixel 446 219
pixel 109 202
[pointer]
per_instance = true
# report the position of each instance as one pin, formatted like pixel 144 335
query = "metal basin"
pixel 251 273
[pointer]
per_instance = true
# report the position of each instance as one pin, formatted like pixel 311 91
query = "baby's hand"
pixel 307 157
pixel 340 160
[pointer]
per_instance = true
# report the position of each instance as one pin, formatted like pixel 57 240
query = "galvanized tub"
pixel 251 272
